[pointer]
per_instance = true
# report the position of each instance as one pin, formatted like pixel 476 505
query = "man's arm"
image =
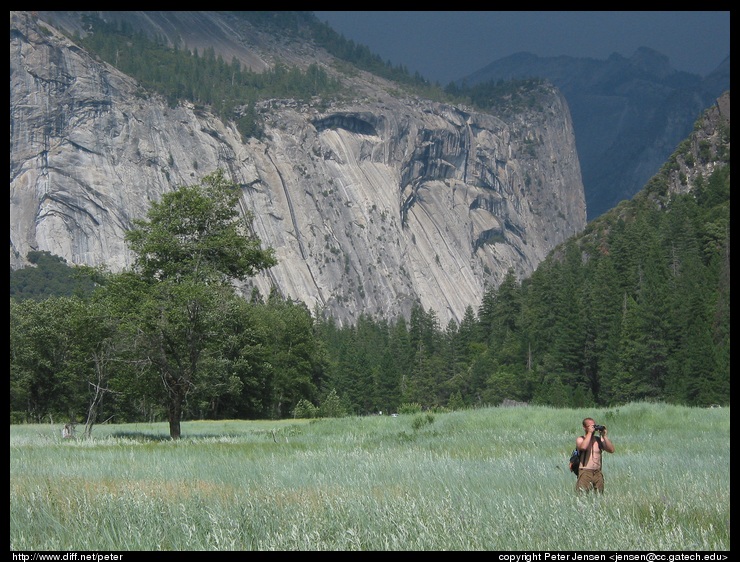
pixel 608 445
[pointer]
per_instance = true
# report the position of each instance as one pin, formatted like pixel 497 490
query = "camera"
pixel 599 427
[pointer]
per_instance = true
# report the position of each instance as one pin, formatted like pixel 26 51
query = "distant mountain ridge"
pixel 629 114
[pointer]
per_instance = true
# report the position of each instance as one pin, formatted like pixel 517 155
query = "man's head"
pixel 587 422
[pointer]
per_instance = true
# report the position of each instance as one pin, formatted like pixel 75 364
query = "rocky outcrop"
pixel 371 204
pixel 704 150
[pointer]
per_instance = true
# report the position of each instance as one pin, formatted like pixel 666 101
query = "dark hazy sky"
pixel 446 46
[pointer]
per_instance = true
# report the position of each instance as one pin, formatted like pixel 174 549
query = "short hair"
pixel 585 420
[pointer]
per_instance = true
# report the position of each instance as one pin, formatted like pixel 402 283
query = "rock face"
pixel 705 146
pixel 371 204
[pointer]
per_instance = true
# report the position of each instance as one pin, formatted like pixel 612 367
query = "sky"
pixel 445 46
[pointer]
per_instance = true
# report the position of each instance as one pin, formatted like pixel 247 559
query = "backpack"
pixel 575 458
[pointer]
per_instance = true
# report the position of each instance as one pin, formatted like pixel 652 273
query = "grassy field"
pixel 489 479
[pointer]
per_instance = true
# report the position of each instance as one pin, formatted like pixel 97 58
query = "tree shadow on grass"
pixel 137 436
pixel 154 438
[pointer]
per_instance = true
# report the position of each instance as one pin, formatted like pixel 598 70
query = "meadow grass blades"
pixel 487 479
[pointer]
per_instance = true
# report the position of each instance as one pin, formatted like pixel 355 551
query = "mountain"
pixel 374 198
pixel 689 170
pixel 629 114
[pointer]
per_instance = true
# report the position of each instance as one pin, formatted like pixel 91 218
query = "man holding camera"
pixel 591 446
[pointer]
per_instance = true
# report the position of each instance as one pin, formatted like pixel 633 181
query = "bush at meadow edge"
pixel 487 479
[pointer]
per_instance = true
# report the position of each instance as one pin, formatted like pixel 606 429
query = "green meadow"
pixel 486 479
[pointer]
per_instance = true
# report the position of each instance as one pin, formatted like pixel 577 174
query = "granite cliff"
pixel 371 203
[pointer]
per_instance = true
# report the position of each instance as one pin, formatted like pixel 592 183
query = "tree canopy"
pixel 174 303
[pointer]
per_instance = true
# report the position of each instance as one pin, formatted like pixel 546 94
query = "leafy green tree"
pixel 402 351
pixel 567 344
pixel 426 376
pixel 539 311
pixel 502 384
pixel 480 371
pixel 633 381
pixel 95 355
pixel 61 354
pixel 369 342
pixel 601 317
pixel 461 341
pixel 387 376
pixel 332 406
pixel 245 351
pixel 40 348
pixel 552 391
pixel 456 341
pixel 653 297
pixel 50 275
pixel 486 314
pixel 297 358
pixel 505 336
pixel 305 410
pixel 189 249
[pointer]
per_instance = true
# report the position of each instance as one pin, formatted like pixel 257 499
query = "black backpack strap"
pixel 581 455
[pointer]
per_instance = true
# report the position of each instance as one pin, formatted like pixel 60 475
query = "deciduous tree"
pixel 189 249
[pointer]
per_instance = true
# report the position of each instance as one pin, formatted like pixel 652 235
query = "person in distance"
pixel 591 446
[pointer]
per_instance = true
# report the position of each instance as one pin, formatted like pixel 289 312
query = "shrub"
pixel 332 406
pixel 409 408
pixel 305 410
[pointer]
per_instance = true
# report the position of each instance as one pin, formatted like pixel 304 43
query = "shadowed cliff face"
pixel 371 205
pixel 629 114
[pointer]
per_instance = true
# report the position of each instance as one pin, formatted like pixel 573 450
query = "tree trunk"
pixel 92 415
pixel 174 413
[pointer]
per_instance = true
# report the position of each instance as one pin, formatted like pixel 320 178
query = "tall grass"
pixel 490 479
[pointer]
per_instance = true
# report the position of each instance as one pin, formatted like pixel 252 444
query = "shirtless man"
pixel 591 446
